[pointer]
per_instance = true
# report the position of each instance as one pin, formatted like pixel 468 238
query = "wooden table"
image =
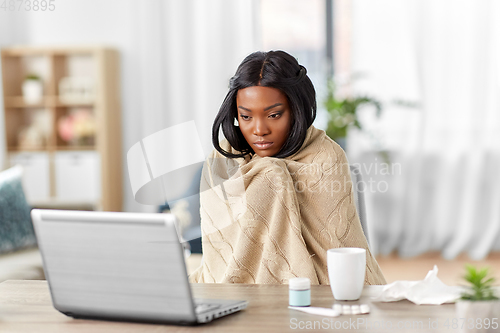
pixel 25 306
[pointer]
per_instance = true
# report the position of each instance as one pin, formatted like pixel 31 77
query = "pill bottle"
pixel 300 292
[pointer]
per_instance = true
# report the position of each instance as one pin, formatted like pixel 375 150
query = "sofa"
pixel 19 255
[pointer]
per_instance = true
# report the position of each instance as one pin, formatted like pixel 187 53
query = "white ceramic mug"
pixel 346 270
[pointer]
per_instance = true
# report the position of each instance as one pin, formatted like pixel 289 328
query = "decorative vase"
pixel 32 91
pixel 477 316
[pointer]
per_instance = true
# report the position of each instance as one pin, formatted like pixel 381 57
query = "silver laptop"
pixel 120 266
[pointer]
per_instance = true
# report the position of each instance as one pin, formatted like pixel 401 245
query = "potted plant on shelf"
pixel 478 302
pixel 32 89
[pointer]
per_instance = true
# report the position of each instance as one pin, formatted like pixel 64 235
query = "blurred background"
pixel 410 89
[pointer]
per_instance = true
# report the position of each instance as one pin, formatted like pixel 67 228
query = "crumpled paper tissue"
pixel 430 290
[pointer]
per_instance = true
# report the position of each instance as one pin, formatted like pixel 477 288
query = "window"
pixel 299 27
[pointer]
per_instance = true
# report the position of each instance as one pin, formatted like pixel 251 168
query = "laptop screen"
pixel 114 265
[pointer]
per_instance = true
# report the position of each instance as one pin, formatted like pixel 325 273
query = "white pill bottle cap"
pixel 299 284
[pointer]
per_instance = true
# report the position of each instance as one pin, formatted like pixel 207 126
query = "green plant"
pixel 343 111
pixel 480 286
pixel 33 77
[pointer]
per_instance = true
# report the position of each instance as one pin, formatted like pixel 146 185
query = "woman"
pixel 276 194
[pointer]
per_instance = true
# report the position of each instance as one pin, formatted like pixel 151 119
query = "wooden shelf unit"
pixel 47 101
pixel 103 69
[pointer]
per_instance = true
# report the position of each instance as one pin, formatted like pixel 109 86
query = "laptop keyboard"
pixel 200 308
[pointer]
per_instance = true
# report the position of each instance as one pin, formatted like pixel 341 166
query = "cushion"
pixel 16 228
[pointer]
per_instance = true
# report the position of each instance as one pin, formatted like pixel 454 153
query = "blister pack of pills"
pixel 335 311
pixel 355 309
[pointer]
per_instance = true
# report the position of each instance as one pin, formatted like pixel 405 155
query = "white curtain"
pixel 187 52
pixel 442 190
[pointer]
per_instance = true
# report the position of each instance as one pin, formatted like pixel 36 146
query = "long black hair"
pixel 275 69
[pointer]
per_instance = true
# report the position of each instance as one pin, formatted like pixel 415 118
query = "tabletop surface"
pixel 26 306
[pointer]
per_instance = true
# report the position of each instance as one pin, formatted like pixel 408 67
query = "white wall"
pixel 13 30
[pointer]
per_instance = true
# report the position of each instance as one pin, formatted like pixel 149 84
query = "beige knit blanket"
pixel 266 220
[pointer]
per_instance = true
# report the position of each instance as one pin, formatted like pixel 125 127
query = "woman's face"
pixel 264 117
